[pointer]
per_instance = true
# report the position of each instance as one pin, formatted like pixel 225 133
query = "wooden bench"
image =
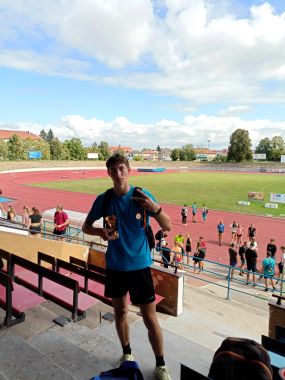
pixel 53 286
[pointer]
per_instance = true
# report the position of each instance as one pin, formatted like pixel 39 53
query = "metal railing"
pixel 221 274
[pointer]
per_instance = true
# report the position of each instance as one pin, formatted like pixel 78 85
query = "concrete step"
pixel 20 360
pixel 69 355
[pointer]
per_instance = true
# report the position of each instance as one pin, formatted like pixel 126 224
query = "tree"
pixel 43 147
pixel 175 154
pixel 240 146
pixel 104 151
pixel 16 149
pixel 76 149
pixel 56 150
pixel 49 136
pixel 158 148
pixel 264 146
pixel 43 134
pixel 3 150
pixel 277 147
pixel 187 153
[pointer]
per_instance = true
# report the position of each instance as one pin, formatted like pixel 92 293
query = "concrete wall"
pixel 28 247
pixel 166 284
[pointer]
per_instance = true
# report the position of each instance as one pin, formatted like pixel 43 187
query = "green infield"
pixel 218 190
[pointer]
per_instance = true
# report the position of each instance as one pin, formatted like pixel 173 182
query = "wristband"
pixel 158 211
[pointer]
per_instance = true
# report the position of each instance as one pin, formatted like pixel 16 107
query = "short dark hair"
pixel 117 158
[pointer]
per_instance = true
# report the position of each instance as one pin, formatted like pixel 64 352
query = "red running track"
pixel 14 185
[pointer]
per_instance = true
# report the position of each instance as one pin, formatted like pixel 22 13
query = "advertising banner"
pixel 92 156
pixel 279 198
pixel 259 156
pixel 35 155
pixel 255 196
pixel 282 159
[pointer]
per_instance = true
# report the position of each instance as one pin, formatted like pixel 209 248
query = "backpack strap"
pixel 106 201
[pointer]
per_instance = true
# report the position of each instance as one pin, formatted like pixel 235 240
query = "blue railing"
pixel 223 272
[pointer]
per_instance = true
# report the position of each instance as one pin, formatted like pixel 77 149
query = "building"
pixel 5 135
pixel 126 149
pixel 205 154
pixel 164 154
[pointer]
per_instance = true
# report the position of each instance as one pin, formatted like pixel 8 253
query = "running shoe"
pixel 127 358
pixel 162 373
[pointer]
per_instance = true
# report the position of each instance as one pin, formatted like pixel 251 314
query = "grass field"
pixel 217 190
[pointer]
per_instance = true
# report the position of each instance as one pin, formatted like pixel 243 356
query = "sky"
pixel 143 73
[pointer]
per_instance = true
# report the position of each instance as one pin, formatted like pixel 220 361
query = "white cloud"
pixel 196 51
pixel 234 110
pixel 196 130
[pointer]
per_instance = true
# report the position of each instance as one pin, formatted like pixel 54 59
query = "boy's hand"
pixel 144 201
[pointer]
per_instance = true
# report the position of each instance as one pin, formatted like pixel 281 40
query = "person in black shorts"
pixel 128 256
pixel 241 252
pixel 251 260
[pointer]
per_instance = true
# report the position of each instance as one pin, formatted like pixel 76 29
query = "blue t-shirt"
pixel 268 266
pixel 221 227
pixel 131 250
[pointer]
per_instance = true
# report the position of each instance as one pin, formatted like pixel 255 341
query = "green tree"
pixel 3 150
pixel 175 154
pixel 158 148
pixel 104 151
pixel 76 149
pixel 49 136
pixel 277 147
pixel 264 146
pixel 240 146
pixel 56 150
pixel 16 149
pixel 187 153
pixel 43 134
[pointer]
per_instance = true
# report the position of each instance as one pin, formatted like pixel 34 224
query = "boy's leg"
pixel 154 331
pixel 121 318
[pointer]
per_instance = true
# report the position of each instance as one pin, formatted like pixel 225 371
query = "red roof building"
pixel 125 149
pixel 7 134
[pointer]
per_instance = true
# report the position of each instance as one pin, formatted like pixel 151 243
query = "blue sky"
pixel 143 73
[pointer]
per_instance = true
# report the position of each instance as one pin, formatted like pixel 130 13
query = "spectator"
pixel 234 227
pixel 35 222
pixel 241 359
pixel 268 270
pixel 281 266
pixel 11 214
pixel 184 214
pixel 251 231
pixel 176 253
pixel 239 234
pixel 2 211
pixel 61 222
pixel 241 253
pixel 221 229
pixel 271 247
pixel 233 258
pixel 194 211
pixel 165 254
pixel 204 211
pixel 251 260
pixel 201 248
pixel 188 248
pixel 26 216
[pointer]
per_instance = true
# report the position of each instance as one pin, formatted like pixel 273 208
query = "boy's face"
pixel 119 174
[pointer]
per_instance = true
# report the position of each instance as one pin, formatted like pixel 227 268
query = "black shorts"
pixel 57 232
pixel 137 282
pixel 251 267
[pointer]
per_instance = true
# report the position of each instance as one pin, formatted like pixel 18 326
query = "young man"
pixel 128 256
pixel 233 258
pixel 251 231
pixel 61 222
pixel 241 253
pixel 268 269
pixel 271 247
pixel 251 260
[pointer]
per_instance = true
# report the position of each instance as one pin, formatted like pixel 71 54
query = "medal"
pixel 138 216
